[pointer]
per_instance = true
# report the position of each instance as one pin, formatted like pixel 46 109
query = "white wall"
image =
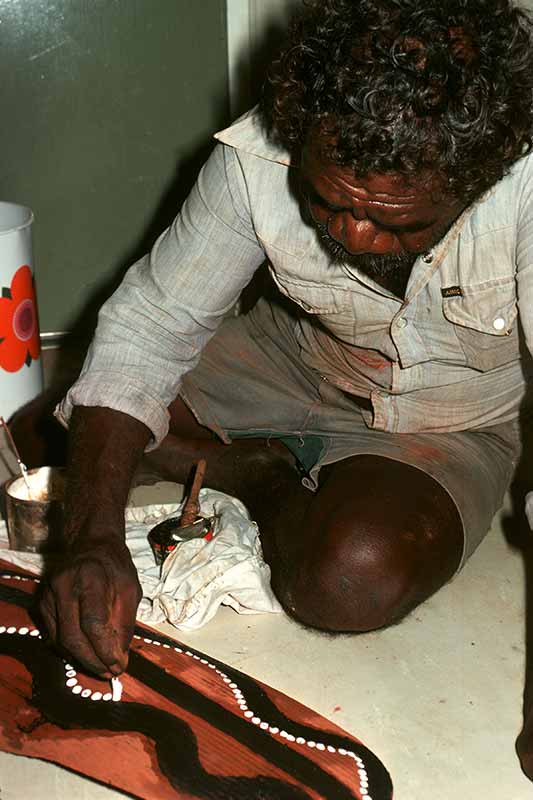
pixel 270 12
pixel 249 23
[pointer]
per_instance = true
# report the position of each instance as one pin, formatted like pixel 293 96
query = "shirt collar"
pixel 248 134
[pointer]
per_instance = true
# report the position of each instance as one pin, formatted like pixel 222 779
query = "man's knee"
pixel 360 585
pixel 382 538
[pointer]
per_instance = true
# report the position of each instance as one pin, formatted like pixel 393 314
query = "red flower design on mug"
pixel 19 329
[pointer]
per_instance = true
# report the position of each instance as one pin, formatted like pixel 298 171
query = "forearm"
pixel 105 447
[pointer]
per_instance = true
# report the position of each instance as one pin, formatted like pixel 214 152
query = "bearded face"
pixel 377 223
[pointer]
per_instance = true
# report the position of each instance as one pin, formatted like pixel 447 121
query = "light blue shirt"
pixel 447 357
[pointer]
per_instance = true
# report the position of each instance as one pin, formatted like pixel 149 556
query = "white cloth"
pixel 198 576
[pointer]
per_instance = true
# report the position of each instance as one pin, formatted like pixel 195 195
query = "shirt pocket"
pixel 484 316
pixel 319 299
pixel 328 306
pixel 314 298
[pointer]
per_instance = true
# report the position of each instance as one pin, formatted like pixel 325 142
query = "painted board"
pixel 187 726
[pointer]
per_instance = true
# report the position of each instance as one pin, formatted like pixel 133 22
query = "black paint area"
pixel 174 740
pixel 380 783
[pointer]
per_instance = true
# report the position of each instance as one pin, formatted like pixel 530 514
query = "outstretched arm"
pixel 90 599
pixel 150 333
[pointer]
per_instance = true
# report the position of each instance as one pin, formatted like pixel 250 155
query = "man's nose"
pixel 362 235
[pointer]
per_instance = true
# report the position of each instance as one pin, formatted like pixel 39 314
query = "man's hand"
pixel 89 604
pixel 90 597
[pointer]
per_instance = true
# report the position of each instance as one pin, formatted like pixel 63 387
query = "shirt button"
pixel 427 258
pixel 498 324
pixel 403 323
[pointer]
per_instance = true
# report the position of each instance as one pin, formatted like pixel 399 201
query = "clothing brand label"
pixel 451 291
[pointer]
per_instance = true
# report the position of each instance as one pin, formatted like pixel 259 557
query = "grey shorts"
pixel 250 382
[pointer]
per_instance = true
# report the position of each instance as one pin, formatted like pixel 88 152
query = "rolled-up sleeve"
pixel 170 303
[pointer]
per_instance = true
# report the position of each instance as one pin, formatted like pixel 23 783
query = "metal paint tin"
pixel 167 535
pixel 35 523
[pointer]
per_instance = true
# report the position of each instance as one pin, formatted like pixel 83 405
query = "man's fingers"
pixel 89 609
pixel 114 637
pixel 106 643
pixel 105 619
pixel 48 611
pixel 125 613
pixel 71 638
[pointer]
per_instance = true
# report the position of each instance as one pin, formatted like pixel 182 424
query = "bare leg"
pixel 377 538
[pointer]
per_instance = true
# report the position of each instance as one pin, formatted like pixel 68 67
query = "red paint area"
pixel 225 743
pixel 425 451
pixel 372 359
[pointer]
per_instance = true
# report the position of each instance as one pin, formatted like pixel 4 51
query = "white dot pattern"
pixel 71 682
pixel 249 715
pixel 19 578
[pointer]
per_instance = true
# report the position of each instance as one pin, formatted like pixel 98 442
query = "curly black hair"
pixel 407 86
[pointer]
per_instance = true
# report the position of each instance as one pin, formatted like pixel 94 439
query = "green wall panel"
pixel 107 111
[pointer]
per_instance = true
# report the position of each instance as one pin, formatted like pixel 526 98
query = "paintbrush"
pixel 166 535
pixel 191 507
pixel 22 466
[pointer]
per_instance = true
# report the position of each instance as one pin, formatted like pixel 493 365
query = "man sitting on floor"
pixel 369 415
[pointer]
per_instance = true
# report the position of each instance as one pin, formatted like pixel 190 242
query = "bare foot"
pixel 524 746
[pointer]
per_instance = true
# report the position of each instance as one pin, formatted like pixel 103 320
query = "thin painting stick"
pixel 22 466
pixel 191 507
